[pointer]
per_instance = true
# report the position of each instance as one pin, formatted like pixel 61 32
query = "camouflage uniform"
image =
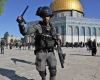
pixel 45 39
pixel 42 55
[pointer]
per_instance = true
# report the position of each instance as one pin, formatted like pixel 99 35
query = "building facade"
pixel 13 39
pixel 70 22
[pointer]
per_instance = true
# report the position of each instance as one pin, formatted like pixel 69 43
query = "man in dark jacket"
pixel 89 45
pixel 45 38
pixel 94 48
pixel 2 46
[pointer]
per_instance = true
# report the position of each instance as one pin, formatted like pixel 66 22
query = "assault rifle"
pixel 61 55
pixel 24 13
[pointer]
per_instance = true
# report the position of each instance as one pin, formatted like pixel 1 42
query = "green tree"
pixel 19 40
pixel 24 39
pixel 6 36
pixel 15 41
pixel 2 3
pixel 11 40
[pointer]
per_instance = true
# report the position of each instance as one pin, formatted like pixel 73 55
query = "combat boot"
pixel 53 78
pixel 44 78
pixel 1 51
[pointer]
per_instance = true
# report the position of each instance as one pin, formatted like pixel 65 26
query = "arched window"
pixel 88 31
pixel 93 31
pixel 56 29
pixel 55 15
pixel 69 13
pixel 82 31
pixel 76 31
pixel 62 30
pixel 62 14
pixel 69 30
pixel 99 31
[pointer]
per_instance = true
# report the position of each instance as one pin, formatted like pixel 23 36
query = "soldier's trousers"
pixel 2 49
pixel 46 57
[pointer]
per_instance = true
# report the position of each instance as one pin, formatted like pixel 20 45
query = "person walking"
pixel 94 48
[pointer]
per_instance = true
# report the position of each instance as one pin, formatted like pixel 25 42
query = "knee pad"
pixel 52 71
pixel 42 73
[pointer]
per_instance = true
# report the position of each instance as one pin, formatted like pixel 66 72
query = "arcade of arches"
pixel 76 33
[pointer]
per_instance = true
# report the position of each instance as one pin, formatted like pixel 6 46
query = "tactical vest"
pixel 45 39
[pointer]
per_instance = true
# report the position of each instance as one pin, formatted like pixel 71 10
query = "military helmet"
pixel 44 11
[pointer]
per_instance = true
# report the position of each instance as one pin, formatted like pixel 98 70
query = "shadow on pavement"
pixel 97 55
pixel 80 54
pixel 12 75
pixel 19 60
pixel 85 55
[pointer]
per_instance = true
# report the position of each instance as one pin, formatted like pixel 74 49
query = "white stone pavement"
pixel 79 65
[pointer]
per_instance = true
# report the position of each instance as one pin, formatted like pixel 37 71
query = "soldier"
pixel 45 38
pixel 2 46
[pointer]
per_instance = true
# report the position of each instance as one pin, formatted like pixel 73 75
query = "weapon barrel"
pixel 61 60
pixel 60 57
pixel 24 11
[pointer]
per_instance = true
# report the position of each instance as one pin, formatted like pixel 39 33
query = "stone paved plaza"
pixel 18 64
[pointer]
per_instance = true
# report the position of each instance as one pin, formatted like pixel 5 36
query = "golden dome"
pixel 58 5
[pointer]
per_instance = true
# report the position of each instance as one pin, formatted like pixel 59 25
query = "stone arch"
pixel 76 33
pixel 62 30
pixel 63 33
pixel 88 31
pixel 57 30
pixel 70 30
pixel 62 14
pixel 70 33
pixel 94 31
pixel 76 30
pixel 99 31
pixel 83 32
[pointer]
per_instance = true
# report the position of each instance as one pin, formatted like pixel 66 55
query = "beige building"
pixel 13 38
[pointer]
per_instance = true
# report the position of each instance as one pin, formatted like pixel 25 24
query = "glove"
pixel 20 19
pixel 58 42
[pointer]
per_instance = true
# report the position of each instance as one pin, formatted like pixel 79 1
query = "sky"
pixel 14 8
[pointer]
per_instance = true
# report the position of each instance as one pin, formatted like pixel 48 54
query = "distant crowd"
pixel 20 45
pixel 79 44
